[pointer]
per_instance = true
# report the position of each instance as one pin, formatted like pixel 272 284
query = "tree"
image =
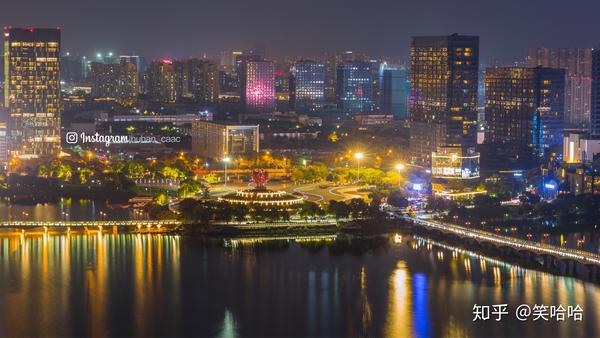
pixel 529 198
pixel 205 191
pixel 224 211
pixel 3 182
pixel 84 175
pixel 189 187
pixel 135 170
pixel 65 172
pixel 338 209
pixel 482 200
pixel 358 207
pixel 258 212
pixel 172 173
pixel 240 211
pixel 309 209
pixel 437 204
pixel 43 171
pixel 116 166
pixel 161 199
pixel 210 178
pixel 397 200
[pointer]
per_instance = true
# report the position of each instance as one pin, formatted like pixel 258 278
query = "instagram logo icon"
pixel 72 137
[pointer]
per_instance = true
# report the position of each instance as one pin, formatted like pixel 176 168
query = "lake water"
pixel 161 285
pixel 65 210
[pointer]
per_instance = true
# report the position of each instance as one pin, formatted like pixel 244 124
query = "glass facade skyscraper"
pixel 394 93
pixel 307 86
pixel 355 87
pixel 524 108
pixel 32 90
pixel 443 94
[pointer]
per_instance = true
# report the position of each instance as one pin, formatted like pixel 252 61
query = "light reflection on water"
pixel 66 210
pixel 160 285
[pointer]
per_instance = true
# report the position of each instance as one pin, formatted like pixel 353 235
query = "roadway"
pixel 322 193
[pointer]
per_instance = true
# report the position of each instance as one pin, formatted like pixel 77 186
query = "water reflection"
pixel 47 280
pixel 160 285
pixel 399 322
pixel 66 210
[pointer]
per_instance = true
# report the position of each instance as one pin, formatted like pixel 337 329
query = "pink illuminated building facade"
pixel 258 85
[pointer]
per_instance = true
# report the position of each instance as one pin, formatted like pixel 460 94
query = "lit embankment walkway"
pixel 275 225
pixel 515 243
pixel 89 224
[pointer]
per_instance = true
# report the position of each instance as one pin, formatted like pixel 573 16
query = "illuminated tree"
pixel 260 178
pixel 135 170
pixel 84 175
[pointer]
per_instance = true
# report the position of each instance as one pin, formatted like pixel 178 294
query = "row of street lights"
pixel 358 156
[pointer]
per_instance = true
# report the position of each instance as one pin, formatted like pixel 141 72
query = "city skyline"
pixel 195 29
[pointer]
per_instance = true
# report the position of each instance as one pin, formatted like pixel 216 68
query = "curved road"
pixel 342 193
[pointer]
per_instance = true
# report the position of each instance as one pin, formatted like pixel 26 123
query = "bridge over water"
pixel 566 260
pixel 89 224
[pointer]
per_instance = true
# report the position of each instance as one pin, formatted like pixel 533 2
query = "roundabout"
pixel 260 195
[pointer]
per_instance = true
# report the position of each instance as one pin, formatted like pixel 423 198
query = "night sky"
pixel 178 28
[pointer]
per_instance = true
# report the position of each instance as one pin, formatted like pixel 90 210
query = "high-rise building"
pixel 443 94
pixel 3 146
pixel 574 60
pixel 117 81
pixel 193 78
pixel 307 86
pixel 32 90
pixel 578 65
pixel 129 83
pixel 85 67
pixel 215 140
pixel 104 78
pixel 70 68
pixel 257 85
pixel 331 65
pixel 355 87
pixel 182 82
pixel 282 87
pixel 549 122
pixel 136 60
pixel 394 92
pixel 160 77
pixel 204 80
pixel 227 60
pixel 524 109
pixel 595 95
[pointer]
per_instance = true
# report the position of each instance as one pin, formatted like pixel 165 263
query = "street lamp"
pixel 399 167
pixel 226 161
pixel 358 157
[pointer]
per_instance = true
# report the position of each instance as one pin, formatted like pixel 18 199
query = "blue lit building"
pixel 524 109
pixel 394 93
pixel 354 90
pixel 307 86
pixel 548 121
